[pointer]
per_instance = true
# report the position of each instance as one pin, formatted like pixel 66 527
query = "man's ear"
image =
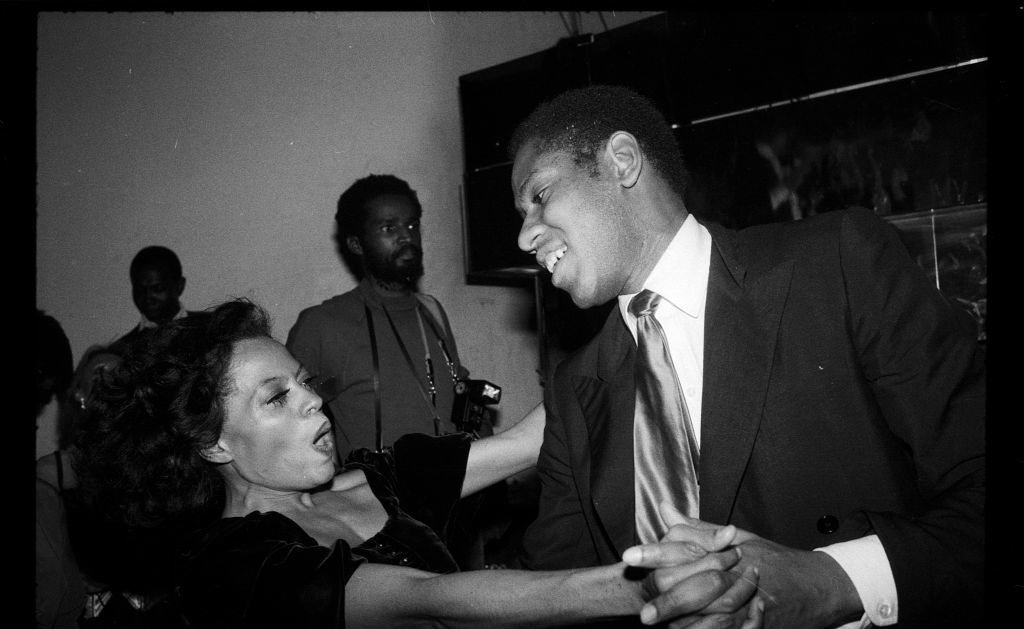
pixel 216 453
pixel 626 158
pixel 354 245
pixel 180 288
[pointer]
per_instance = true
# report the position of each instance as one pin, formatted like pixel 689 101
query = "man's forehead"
pixel 532 157
pixel 391 207
pixel 153 274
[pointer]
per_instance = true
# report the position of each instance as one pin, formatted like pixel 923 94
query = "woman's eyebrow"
pixel 270 380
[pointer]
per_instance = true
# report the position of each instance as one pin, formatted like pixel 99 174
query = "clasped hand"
pixel 695 580
pixel 704 575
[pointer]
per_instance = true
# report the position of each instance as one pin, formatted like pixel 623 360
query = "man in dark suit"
pixel 157 285
pixel 837 400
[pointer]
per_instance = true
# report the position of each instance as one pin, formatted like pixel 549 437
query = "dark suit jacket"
pixel 122 343
pixel 843 396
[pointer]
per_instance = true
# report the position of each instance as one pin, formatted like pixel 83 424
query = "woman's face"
pixel 274 431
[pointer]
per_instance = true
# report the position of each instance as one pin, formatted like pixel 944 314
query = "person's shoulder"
pixel 605 350
pixel 848 225
pixel 433 304
pixel 826 226
pixel 121 343
pixel 343 305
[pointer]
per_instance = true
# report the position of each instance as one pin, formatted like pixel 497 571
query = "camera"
pixel 469 409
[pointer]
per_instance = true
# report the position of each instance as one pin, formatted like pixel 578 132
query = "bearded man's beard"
pixel 403 268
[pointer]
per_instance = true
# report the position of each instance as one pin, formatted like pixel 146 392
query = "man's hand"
pixel 690 575
pixel 799 588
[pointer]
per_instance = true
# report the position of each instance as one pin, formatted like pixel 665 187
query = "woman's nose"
pixel 314 403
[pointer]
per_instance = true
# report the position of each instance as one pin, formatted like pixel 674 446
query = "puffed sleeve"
pixel 423 473
pixel 429 472
pixel 263 570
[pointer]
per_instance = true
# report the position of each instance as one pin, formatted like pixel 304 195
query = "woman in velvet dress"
pixel 211 433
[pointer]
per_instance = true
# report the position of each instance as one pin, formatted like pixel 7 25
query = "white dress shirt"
pixel 145 323
pixel 681 278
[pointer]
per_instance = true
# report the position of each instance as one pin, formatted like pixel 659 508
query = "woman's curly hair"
pixel 137 454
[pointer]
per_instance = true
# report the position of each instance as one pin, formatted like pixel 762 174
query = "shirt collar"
pixel 145 323
pixel 681 274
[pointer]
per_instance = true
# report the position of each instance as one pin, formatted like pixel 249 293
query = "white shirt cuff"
pixel 867 565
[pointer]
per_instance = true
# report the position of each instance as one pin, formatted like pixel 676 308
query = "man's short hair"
pixel 156 256
pixel 353 203
pixel 580 121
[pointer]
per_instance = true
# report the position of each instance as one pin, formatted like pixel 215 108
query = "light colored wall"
pixel 229 136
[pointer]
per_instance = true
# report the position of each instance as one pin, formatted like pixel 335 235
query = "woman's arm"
pixel 499 456
pixel 348 479
pixel 389 596
pixel 381 595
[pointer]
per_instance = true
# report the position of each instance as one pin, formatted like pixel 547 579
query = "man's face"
pixel 391 247
pixel 575 224
pixel 155 292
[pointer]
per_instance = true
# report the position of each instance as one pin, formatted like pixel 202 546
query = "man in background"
pixel 157 285
pixel 383 350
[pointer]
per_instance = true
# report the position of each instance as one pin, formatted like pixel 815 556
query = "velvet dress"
pixel 263 570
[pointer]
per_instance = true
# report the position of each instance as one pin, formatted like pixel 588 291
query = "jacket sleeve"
pixel 551 541
pixel 304 339
pixel 927 372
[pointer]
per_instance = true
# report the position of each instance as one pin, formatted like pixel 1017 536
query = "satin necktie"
pixel 664 444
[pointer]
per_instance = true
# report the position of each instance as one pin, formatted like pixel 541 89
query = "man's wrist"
pixel 866 564
pixel 842 601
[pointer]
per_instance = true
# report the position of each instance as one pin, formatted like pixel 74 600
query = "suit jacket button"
pixel 828 524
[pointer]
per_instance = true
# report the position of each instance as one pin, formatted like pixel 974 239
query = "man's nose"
pixel 405 234
pixel 530 233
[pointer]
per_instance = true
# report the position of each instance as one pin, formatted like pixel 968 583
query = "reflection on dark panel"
pixel 492 230
pixel 886 146
pixel 951 245
pixel 902 146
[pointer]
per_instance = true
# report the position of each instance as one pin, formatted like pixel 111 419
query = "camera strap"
pixel 376 380
pixel 427 395
pixel 431 306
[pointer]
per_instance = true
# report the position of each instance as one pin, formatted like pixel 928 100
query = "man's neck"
pixel 390 289
pixel 147 322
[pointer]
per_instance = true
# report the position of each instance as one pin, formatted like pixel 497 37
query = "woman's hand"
pixel 686 589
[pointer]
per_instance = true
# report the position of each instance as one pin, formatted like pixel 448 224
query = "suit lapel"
pixel 606 403
pixel 738 351
pixel 743 312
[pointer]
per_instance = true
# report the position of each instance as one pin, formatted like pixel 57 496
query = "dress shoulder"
pixel 424 473
pixel 419 481
pixel 263 570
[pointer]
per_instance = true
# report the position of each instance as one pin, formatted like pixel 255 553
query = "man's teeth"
pixel 553 257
